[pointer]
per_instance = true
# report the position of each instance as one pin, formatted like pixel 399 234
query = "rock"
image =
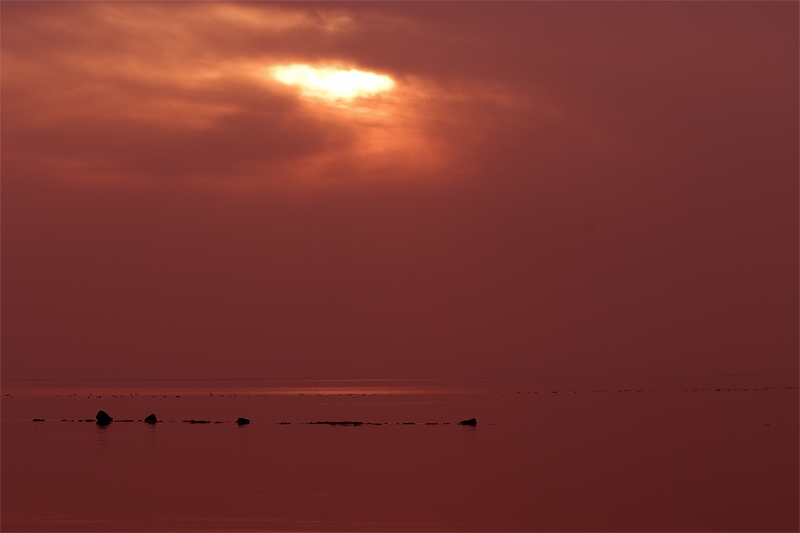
pixel 242 421
pixel 151 419
pixel 103 419
pixel 470 422
pixel 42 420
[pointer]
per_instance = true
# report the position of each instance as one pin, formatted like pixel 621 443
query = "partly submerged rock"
pixel 38 419
pixel 242 421
pixel 103 419
pixel 470 422
pixel 151 419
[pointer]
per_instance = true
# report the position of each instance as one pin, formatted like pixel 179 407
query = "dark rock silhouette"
pixel 38 419
pixel 242 421
pixel 151 419
pixel 193 421
pixel 470 422
pixel 103 419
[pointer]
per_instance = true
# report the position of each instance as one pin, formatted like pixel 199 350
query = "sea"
pixel 679 453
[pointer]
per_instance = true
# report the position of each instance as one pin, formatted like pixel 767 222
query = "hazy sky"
pixel 547 188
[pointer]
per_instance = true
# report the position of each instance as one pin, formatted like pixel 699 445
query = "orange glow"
pixel 332 83
pixel 283 118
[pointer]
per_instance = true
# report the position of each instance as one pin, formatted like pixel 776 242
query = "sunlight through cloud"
pixel 332 83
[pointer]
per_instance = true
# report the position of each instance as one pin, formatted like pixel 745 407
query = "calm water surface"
pixel 636 454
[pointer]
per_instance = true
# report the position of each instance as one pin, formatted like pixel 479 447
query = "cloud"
pixel 155 100
pixel 154 93
pixel 156 179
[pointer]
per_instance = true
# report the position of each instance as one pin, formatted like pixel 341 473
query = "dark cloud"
pixel 259 137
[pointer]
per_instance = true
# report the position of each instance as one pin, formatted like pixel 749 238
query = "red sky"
pixel 550 188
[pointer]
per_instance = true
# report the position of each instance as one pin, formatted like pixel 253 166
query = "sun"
pixel 332 83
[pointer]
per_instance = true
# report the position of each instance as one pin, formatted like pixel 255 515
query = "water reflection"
pixel 102 437
pixel 580 461
pixel 151 431
pixel 174 389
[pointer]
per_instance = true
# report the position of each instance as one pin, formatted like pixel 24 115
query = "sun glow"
pixel 388 131
pixel 331 82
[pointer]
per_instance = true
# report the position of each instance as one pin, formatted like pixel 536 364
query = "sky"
pixel 362 190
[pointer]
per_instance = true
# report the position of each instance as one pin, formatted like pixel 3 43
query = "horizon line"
pixel 405 378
